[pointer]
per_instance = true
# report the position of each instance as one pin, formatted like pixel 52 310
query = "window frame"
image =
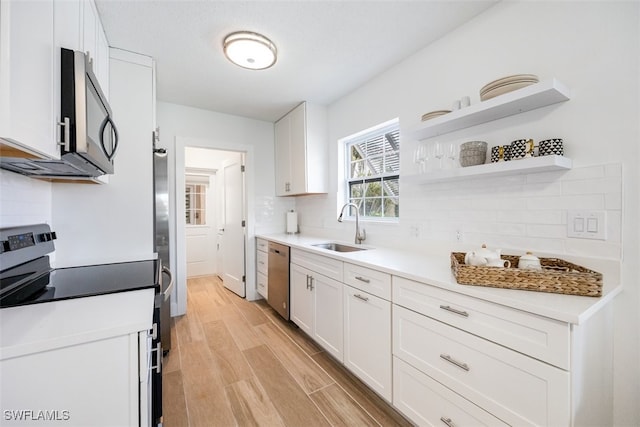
pixel 381 156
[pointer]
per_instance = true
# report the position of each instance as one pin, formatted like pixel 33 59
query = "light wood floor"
pixel 235 362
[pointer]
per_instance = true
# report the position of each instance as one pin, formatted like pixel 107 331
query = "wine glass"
pixel 439 153
pixel 421 156
pixel 452 154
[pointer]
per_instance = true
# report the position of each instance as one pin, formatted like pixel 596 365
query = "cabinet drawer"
pixel 515 388
pixel 263 285
pixel 320 264
pixel 365 279
pixel 536 336
pixel 262 259
pixel 428 403
pixel 262 245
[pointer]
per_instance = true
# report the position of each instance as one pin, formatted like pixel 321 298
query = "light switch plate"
pixel 587 224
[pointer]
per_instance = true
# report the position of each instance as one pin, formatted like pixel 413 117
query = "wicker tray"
pixel 557 276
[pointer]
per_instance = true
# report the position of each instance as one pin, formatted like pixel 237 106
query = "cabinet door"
pixel 428 403
pixel 328 325
pixel 367 339
pixel 298 149
pixel 90 30
pixel 26 74
pixel 301 298
pixel 515 388
pixel 282 156
pixel 59 380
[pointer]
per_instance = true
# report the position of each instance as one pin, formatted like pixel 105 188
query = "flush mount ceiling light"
pixel 250 50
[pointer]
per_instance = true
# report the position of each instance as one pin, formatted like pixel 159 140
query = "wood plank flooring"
pixel 238 363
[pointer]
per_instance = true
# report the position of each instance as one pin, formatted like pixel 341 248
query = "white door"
pixel 201 231
pixel 233 237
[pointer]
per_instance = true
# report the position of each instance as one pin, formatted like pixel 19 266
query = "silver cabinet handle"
pixel 455 362
pixel 447 422
pixel 158 365
pixel 453 310
pixel 66 124
pixel 311 282
pixel 308 280
pixel 362 279
pixel 360 297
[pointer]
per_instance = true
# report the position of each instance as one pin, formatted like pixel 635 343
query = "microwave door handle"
pixel 103 126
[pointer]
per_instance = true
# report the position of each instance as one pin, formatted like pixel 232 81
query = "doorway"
pixel 214 215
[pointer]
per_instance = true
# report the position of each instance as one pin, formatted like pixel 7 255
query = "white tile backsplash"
pixel 516 213
pixel 23 200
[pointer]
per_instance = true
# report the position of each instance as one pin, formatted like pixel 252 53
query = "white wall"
pixel 114 222
pixel 207 129
pixel 592 47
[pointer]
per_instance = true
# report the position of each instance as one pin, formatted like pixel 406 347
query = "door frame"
pixel 179 302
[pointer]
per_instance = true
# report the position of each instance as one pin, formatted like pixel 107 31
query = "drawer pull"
pixel 455 362
pixel 308 281
pixel 447 422
pixel 360 297
pixel 362 279
pixel 453 310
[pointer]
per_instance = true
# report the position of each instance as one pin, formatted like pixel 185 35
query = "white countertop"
pixel 435 270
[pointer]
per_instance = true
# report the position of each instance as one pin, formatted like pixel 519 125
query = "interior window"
pixel 373 171
pixel 196 204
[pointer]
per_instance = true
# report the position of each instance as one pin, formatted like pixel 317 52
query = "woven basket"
pixel 557 276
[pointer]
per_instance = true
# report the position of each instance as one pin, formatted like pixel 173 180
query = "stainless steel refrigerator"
pixel 161 233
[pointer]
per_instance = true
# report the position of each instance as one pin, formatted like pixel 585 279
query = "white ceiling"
pixel 326 49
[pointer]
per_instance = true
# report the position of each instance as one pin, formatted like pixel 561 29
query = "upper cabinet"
pixel 26 75
pixel 31 35
pixel 301 151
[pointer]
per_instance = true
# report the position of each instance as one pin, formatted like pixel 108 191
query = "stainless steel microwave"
pixel 89 136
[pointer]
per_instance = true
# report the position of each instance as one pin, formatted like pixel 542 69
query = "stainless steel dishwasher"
pixel 278 278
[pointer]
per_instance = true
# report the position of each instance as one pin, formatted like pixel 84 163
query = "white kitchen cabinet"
pixel 301 298
pixel 301 151
pixel 511 386
pixel 95 44
pixel 521 368
pixel 31 35
pixel 262 268
pixel 367 338
pixel 429 403
pixel 84 360
pixel 26 75
pixel 316 307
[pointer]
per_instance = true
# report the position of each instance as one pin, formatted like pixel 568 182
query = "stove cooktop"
pixel 77 282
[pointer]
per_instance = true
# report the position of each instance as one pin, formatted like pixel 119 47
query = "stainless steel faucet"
pixel 360 234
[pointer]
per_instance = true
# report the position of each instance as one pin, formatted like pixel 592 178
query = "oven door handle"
pixel 167 293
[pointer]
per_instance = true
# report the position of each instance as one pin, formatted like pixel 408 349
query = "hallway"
pixel 236 362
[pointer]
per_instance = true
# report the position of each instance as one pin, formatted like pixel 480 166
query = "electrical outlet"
pixel 587 224
pixel 414 231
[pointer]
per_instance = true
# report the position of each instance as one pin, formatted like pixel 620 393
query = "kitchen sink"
pixel 339 247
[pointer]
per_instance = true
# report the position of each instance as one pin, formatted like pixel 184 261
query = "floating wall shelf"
pixel 538 95
pixel 513 167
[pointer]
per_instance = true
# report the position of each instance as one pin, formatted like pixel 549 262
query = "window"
pixel 195 204
pixel 373 171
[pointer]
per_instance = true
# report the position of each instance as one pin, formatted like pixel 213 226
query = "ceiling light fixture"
pixel 250 50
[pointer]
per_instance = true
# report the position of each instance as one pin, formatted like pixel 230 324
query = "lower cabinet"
pixel 262 264
pixel 515 388
pixel 78 362
pixel 316 307
pixel 429 403
pixel 367 333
